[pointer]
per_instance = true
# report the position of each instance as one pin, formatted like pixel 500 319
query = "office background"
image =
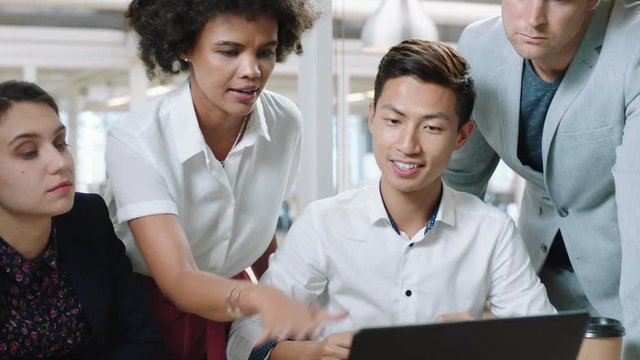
pixel 82 52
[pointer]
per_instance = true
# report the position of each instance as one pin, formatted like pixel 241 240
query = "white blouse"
pixel 158 163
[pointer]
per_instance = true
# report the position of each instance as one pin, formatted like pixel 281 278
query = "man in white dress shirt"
pixel 408 249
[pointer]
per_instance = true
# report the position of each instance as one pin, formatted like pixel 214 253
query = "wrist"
pixel 298 350
pixel 232 301
pixel 316 349
pixel 249 300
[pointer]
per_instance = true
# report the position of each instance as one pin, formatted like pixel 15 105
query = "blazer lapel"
pixel 510 93
pixel 576 77
pixel 78 264
pixel 510 99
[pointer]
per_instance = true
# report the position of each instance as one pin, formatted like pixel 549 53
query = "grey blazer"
pixel 590 149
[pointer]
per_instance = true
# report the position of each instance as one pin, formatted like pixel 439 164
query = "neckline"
pixel 243 128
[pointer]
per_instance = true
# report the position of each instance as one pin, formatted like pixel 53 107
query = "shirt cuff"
pixel 134 211
pixel 263 351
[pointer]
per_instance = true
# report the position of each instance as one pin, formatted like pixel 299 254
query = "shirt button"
pixel 544 248
pixel 563 212
pixel 408 292
pixel 410 244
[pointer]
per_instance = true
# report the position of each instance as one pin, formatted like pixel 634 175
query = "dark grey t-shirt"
pixel 535 98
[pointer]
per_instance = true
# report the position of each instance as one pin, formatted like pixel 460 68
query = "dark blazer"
pixel 110 293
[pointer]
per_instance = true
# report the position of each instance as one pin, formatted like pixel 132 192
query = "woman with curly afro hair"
pixel 198 175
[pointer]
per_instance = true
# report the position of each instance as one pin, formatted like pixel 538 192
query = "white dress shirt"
pixel 342 253
pixel 158 163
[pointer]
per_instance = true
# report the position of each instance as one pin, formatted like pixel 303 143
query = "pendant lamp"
pixel 395 21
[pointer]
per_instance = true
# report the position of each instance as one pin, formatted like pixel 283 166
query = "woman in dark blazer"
pixel 66 286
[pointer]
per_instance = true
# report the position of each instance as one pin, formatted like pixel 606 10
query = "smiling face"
pixel 230 64
pixel 37 168
pixel 546 31
pixel 415 130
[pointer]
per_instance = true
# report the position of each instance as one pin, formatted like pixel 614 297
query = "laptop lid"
pixel 548 337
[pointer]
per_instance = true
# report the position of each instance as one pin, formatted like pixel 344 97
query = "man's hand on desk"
pixel 461 316
pixel 336 346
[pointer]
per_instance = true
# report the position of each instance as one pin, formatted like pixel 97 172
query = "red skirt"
pixel 187 336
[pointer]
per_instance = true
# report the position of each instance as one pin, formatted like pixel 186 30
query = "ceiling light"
pixel 159 90
pixel 356 97
pixel 395 21
pixel 151 92
pixel 118 101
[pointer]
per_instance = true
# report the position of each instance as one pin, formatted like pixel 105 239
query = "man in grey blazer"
pixel 559 102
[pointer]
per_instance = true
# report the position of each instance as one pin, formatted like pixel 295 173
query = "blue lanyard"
pixel 432 219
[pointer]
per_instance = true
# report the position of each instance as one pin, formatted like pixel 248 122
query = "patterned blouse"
pixel 40 315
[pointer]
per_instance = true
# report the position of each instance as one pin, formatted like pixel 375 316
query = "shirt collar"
pixel 448 204
pixel 184 123
pixel 178 107
pixel 20 269
pixel 256 127
pixel 378 212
